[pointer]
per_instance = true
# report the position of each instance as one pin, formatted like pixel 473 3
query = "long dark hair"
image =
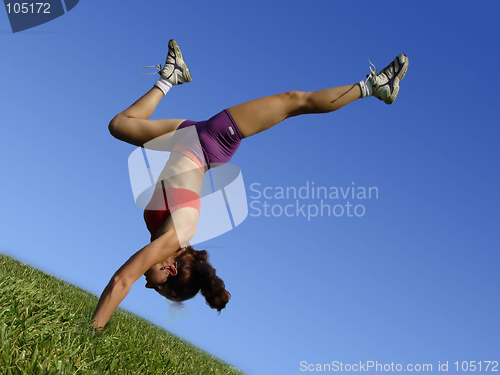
pixel 194 274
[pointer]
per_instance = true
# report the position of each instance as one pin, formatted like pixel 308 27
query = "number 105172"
pixel 28 7
pixel 479 366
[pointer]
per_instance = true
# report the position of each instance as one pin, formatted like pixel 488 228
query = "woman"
pixel 170 265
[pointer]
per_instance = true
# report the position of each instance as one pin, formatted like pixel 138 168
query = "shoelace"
pixel 158 67
pixel 373 71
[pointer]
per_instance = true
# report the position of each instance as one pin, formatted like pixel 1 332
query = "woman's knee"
pixel 115 126
pixel 299 102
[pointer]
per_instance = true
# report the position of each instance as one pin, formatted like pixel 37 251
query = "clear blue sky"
pixel 414 280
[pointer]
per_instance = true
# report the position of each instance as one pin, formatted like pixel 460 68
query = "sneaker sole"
pixel 402 73
pixel 185 70
pixel 397 79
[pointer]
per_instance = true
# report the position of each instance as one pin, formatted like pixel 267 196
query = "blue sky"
pixel 414 280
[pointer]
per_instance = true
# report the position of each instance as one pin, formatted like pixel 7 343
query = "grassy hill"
pixel 44 329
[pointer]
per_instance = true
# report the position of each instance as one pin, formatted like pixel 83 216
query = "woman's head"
pixel 158 274
pixel 182 276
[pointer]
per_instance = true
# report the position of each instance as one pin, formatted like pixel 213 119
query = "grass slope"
pixel 44 329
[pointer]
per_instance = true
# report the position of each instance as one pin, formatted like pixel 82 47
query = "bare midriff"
pixel 181 172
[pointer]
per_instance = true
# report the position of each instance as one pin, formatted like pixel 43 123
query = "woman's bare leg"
pixel 261 114
pixel 132 125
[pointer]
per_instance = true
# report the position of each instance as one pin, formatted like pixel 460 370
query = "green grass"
pixel 45 329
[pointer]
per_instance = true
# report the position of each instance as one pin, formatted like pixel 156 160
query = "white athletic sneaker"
pixel 386 83
pixel 175 69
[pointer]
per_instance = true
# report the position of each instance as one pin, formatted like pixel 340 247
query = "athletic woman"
pixel 172 267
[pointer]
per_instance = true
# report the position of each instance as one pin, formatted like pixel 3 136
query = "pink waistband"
pixel 184 150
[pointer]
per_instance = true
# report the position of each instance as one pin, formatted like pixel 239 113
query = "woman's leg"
pixel 132 125
pixel 260 114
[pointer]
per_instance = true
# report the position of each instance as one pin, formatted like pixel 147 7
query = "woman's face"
pixel 157 275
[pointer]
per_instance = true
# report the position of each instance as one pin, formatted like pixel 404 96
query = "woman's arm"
pixel 121 282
